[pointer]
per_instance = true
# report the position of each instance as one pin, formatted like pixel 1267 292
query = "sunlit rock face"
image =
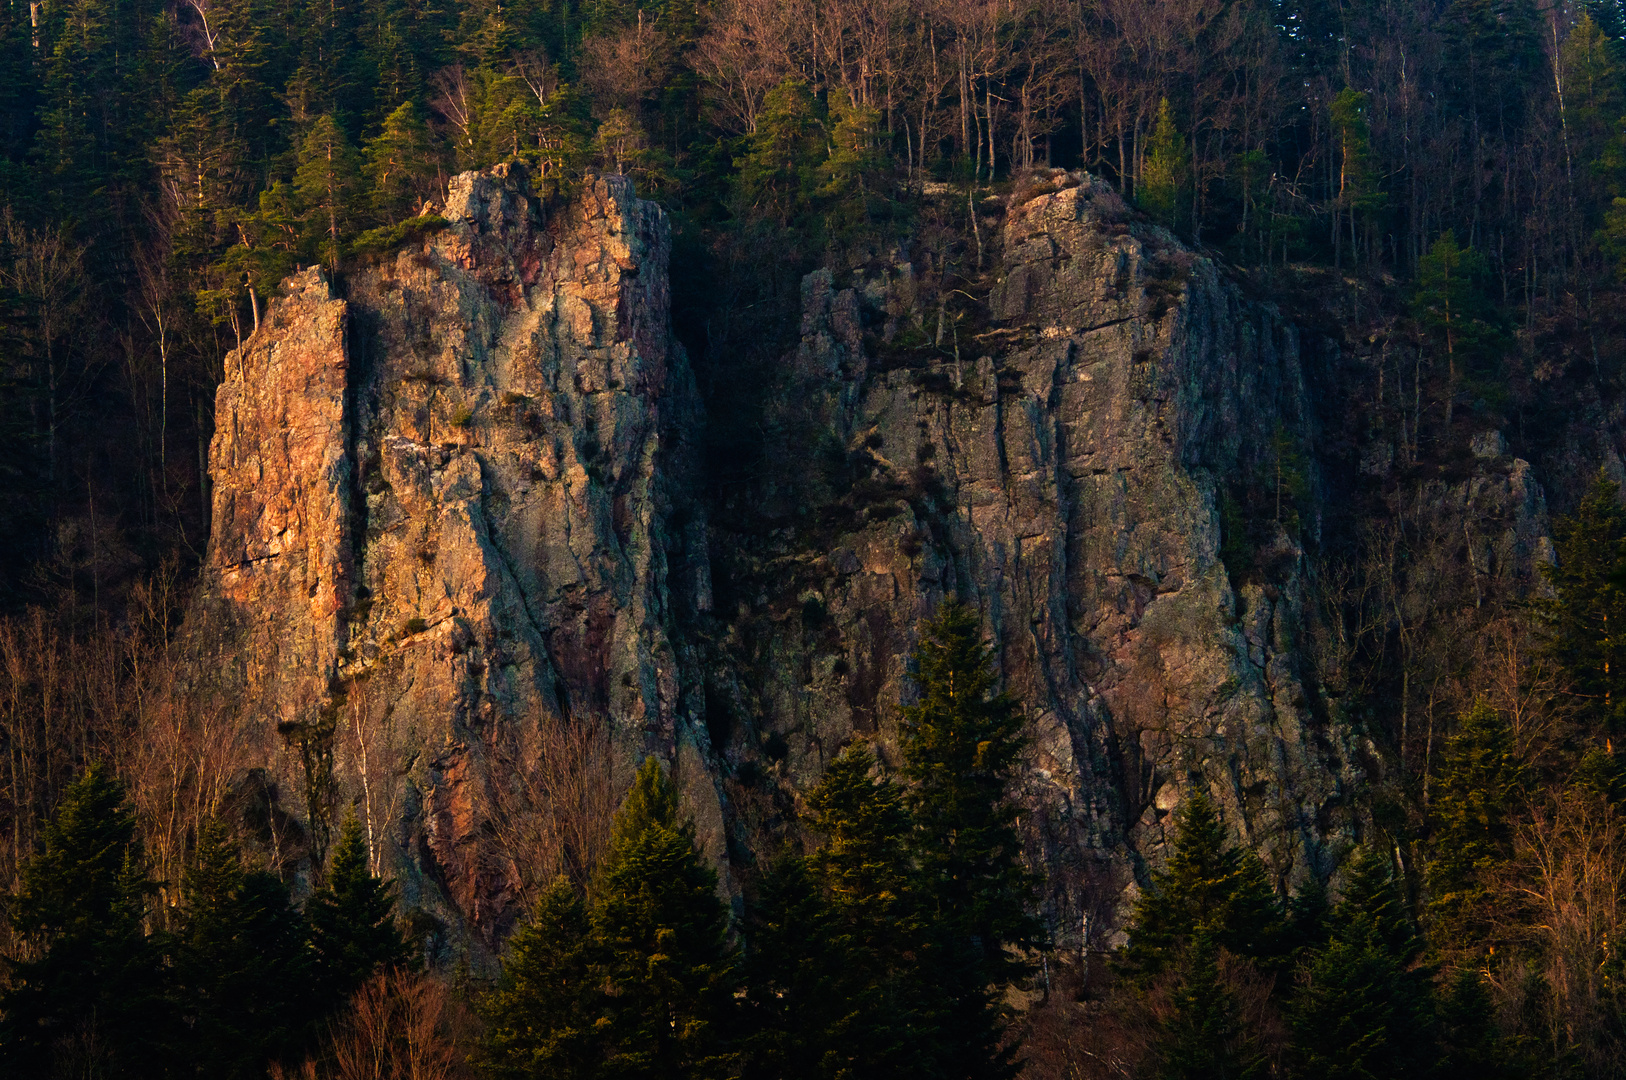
pixel 442 532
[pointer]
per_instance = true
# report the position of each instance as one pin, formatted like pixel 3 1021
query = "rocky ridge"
pixel 460 508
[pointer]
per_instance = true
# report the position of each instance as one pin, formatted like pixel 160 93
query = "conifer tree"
pixel 961 742
pixel 1586 617
pixel 400 162
pixel 1357 192
pixel 775 174
pixel 242 966
pixel 1362 1007
pixel 638 984
pixel 352 920
pixel 542 1019
pixel 1479 778
pixel 798 1012
pixel 854 160
pixel 1203 1038
pixel 660 934
pixel 87 999
pixel 327 181
pixel 1450 306
pixel 1207 889
pixel 833 967
pixel 1164 176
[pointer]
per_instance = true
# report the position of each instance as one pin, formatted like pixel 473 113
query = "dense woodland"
pixel 1447 177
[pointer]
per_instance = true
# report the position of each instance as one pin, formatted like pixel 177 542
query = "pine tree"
pixel 87 1001
pixel 1207 889
pixel 400 163
pixel 241 963
pixel 661 936
pixel 1472 1047
pixel 352 921
pixel 543 1017
pixel 327 181
pixel 961 742
pixel 621 145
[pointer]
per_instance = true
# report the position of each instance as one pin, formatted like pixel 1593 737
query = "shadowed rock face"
pixel 457 512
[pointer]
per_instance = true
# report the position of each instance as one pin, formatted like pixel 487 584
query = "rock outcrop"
pixel 1063 469
pixel 458 511
pixel 441 531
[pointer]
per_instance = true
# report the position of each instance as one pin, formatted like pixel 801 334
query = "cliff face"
pixel 441 533
pixel 1063 473
pixel 457 512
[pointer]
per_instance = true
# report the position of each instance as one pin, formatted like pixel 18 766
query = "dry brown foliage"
pixel 1568 882
pixel 553 798
pixel 1097 1030
pixel 401 1025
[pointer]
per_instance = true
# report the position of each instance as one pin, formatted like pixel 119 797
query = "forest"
pixel 1447 176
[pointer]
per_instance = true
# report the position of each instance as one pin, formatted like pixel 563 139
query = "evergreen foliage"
pixel 352 920
pixel 1203 1038
pixel 1208 891
pixel 88 999
pixel 662 936
pixel 242 968
pixel 1586 614
pixel 1362 1007
pixel 542 1017
pixel 1471 811
pixel 327 182
pixel 638 984
pixel 961 743
pixel 1164 179
pixel 775 172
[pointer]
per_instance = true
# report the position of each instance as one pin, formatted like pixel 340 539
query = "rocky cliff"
pixel 441 532
pixel 459 511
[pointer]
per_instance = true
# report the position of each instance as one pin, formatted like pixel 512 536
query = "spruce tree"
pixel 1207 889
pixel 1586 616
pixel 87 999
pixel 1363 1008
pixel 775 176
pixel 1479 778
pixel 961 742
pixel 835 984
pixel 799 1012
pixel 352 921
pixel 400 161
pixel 543 1017
pixel 640 983
pixel 660 934
pixel 1163 179
pixel 242 966
pixel 1203 1038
